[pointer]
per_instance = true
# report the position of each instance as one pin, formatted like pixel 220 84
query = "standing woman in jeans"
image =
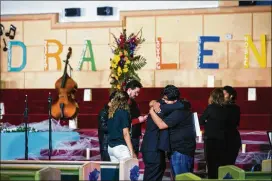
pixel 214 120
pixel 120 146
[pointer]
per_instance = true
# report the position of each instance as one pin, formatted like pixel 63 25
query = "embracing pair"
pixel 169 131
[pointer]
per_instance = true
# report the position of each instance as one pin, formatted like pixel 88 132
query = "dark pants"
pixel 103 145
pixel 105 155
pixel 233 140
pixel 215 153
pixel 135 143
pixel 154 165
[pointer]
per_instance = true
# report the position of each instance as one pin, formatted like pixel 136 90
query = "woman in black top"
pixel 214 120
pixel 120 146
pixel 103 130
pixel 232 134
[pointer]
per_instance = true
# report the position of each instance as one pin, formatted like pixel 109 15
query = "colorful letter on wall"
pixel 202 52
pixel 260 58
pixel 56 55
pixel 10 45
pixel 88 44
pixel 159 64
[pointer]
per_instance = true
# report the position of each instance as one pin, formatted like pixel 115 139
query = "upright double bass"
pixel 65 107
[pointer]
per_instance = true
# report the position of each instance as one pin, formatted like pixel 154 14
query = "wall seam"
pixel 252 26
pixel 203 25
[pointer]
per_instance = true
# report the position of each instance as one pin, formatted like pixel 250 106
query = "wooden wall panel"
pixel 188 55
pixel 148 51
pixel 249 77
pixel 165 77
pixel 104 80
pixel 236 24
pixel 236 55
pixel 147 78
pixel 116 32
pixel 99 36
pixel 170 53
pixel 134 24
pixel 102 55
pixel 12 80
pixel 88 79
pixel 4 61
pixel 35 59
pixel 179 28
pixel 269 57
pixel 198 78
pixel 262 25
pixel 38 80
pixel 36 32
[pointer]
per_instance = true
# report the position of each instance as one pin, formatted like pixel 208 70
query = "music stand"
pixel 26 127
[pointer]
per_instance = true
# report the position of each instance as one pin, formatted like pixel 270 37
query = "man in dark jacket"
pixel 133 88
pixel 103 130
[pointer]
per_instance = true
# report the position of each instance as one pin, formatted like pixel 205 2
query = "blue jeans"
pixel 181 163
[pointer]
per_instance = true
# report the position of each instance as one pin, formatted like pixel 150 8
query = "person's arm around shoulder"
pixel 170 121
pixel 165 108
pixel 157 120
pixel 168 108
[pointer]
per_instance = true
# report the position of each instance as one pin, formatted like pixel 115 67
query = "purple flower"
pixel 121 63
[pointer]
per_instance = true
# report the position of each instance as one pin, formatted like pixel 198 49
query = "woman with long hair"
pixel 120 146
pixel 214 120
pixel 232 135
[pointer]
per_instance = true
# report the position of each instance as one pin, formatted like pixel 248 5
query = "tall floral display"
pixel 125 62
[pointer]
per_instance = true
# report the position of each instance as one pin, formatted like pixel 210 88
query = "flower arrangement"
pixel 125 62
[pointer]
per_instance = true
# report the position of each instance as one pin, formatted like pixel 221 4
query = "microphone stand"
pixel 50 125
pixel 26 128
